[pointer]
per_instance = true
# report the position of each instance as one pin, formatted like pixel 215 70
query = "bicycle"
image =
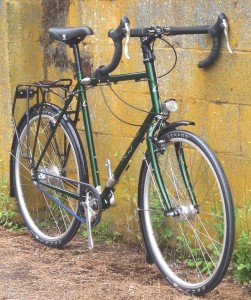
pixel 185 207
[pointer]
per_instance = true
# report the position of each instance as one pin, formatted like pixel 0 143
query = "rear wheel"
pixel 192 245
pixel 48 222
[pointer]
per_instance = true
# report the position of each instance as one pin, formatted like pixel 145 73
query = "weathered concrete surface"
pixel 217 99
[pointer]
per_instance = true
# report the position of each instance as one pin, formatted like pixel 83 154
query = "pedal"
pixel 112 201
pixel 89 214
pixel 111 181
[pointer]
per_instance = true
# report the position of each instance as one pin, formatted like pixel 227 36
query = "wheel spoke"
pixel 47 220
pixel 188 245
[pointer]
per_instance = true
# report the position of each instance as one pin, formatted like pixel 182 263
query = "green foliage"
pixel 105 232
pixel 6 211
pixel 129 196
pixel 242 252
pixel 158 219
pixel 195 259
pixel 242 256
pixel 205 264
pixel 218 224
pixel 6 206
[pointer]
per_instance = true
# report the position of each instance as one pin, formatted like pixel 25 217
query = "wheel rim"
pixel 44 217
pixel 189 247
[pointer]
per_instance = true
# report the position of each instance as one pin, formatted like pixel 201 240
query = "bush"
pixel 242 255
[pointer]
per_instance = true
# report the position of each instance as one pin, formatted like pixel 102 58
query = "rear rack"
pixel 40 90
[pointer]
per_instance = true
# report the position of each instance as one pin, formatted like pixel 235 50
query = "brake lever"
pixel 127 33
pixel 225 25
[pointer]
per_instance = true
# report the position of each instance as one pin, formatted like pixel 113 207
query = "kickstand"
pixel 88 222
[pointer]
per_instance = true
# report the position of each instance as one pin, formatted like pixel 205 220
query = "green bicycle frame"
pixel 149 127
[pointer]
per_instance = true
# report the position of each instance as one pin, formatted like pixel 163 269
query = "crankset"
pixel 88 196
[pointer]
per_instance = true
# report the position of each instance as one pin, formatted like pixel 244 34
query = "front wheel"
pixel 192 244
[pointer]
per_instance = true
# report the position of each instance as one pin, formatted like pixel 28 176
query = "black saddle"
pixel 70 35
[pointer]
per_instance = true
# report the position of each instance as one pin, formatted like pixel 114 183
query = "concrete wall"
pixel 217 99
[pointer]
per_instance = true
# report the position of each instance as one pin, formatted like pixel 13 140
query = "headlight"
pixel 169 106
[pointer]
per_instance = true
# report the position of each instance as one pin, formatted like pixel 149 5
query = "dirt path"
pixel 29 270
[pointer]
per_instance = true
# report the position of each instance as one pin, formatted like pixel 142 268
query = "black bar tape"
pixel 117 36
pixel 115 60
pixel 213 54
pixel 187 30
pixel 139 32
pixel 216 32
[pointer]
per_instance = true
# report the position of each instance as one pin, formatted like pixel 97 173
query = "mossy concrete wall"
pixel 218 99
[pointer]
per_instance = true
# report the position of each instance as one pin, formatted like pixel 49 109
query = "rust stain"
pixel 55 13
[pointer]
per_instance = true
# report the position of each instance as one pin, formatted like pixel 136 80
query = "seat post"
pixel 79 73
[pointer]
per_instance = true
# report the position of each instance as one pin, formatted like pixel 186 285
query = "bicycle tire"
pixel 192 248
pixel 47 221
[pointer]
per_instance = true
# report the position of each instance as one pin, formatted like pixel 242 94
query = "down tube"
pixel 133 146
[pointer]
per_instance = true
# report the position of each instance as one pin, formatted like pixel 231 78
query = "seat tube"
pixel 86 118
